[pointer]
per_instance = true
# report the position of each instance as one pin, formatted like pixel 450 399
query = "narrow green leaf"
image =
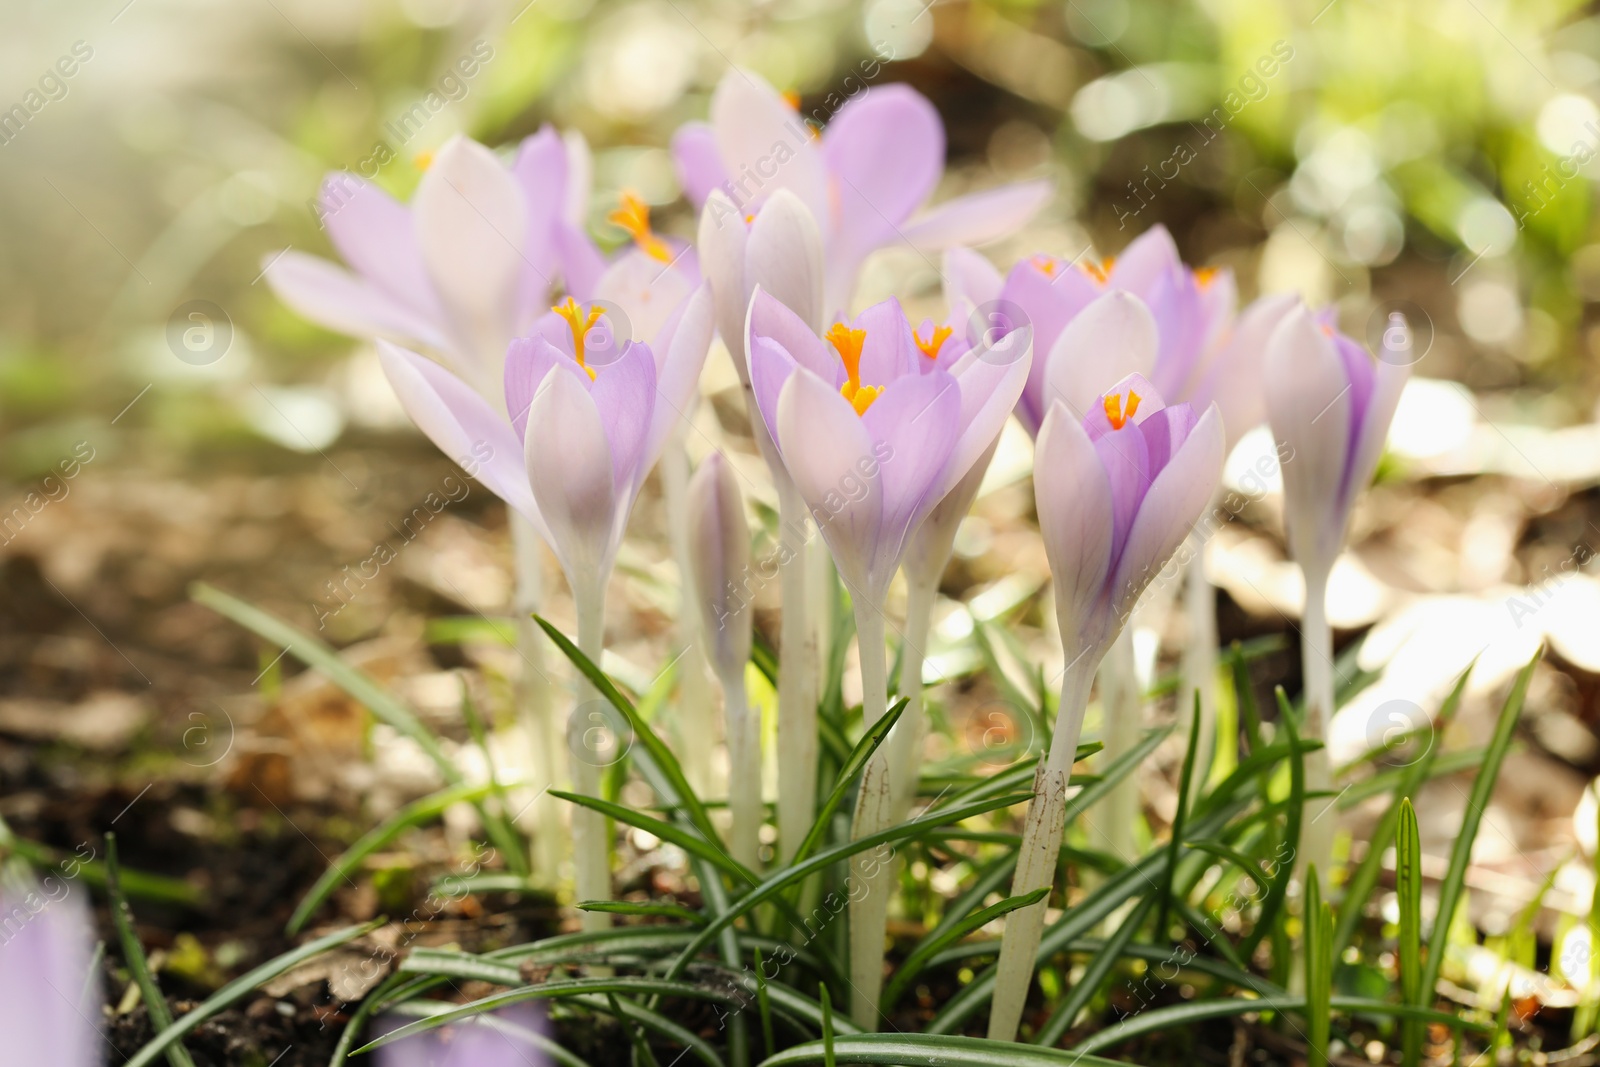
pixel 1176 841
pixel 925 1050
pixel 665 761
pixel 683 837
pixel 1318 974
pixel 496 824
pixel 829 1052
pixel 136 884
pixel 247 983
pixel 1094 976
pixel 1408 885
pixel 1293 815
pixel 133 955
pixel 415 813
pixel 655 911
pixel 859 755
pixel 925 952
pixel 764 1006
pixel 1477 802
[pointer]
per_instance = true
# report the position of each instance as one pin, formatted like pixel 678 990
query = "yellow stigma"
pixel 1046 265
pixel 581 324
pixel 938 336
pixel 792 98
pixel 1205 276
pixel 634 216
pixel 847 342
pixel 1101 271
pixel 422 160
pixel 1116 414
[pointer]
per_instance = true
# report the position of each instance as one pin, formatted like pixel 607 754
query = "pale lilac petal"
pixel 929 547
pixel 1308 407
pixel 825 446
pixel 1180 314
pixel 1233 378
pixel 1391 371
pixel 719 562
pixel 471 224
pixel 784 256
pixel 991 381
pixel 1047 301
pixel 764 145
pixel 462 424
pixel 373 233
pixel 625 394
pixel 885 153
pixel 1110 339
pixel 970 281
pixel 504 1038
pixel 580 178
pixel 1126 459
pixel 581 261
pixel 698 161
pixel 770 368
pixel 528 360
pixel 888 351
pixel 1073 499
pixel 570 470
pixel 540 170
pixel 1171 507
pixel 978 218
pixel 913 426
pixel 1164 432
pixel 45 968
pixel 1145 262
pixel 645 290
pixel 686 340
pixel 721 241
pixel 770 318
pixel 334 298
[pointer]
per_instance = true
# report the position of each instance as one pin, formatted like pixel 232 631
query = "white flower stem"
pixel 1121 703
pixel 1316 666
pixel 905 744
pixel 591 850
pixel 1200 663
pixel 744 771
pixel 871 872
pixel 696 719
pixel 549 842
pixel 1036 856
pixel 797 704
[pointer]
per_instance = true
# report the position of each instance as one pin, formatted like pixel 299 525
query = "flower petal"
pixel 540 171
pixel 698 161
pixel 764 145
pixel 784 256
pixel 1073 497
pixel 970 281
pixel 680 352
pixel 1308 406
pixel 721 241
pixel 1233 376
pixel 462 424
pixel 1145 262
pixel 1110 339
pixel 471 225
pixel 978 218
pixel 625 395
pixel 645 290
pixel 913 426
pixel 991 381
pixel 373 233
pixel 571 473
pixel 825 444
pixel 771 318
pixel 338 300
pixel 888 351
pixel 1391 371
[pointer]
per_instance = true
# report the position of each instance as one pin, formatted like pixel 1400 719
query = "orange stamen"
pixel 580 325
pixel 1116 414
pixel 1046 265
pixel 634 216
pixel 1205 276
pixel 422 160
pixel 1101 271
pixel 847 342
pixel 930 347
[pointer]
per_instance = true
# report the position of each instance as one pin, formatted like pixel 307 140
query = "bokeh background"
pixel 1432 156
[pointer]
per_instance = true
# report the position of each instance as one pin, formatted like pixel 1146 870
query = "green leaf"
pixel 415 813
pixel 655 911
pixel 496 824
pixel 313 653
pixel 1094 976
pixel 1176 841
pixel 683 837
pixel 1294 814
pixel 547 1047
pixel 93 872
pixel 859 755
pixel 659 753
pixel 1408 886
pixel 925 952
pixel 247 983
pixel 133 955
pixel 928 1050
pixel 1319 971
pixel 830 1052
pixel 1471 818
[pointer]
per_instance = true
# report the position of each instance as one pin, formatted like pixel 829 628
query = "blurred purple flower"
pixel 49 999
pixel 876 423
pixel 1330 405
pixel 506 1038
pixel 863 179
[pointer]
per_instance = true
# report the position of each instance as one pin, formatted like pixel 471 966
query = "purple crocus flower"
pixel 876 422
pixel 49 999
pixel 1117 490
pixel 1330 404
pixel 1191 311
pixel 465 267
pixel 509 1037
pixel 864 178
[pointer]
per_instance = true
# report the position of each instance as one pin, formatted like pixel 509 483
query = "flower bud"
pixel 719 563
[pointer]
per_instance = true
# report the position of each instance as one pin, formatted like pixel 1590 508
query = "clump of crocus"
pixel 778 248
pixel 1117 492
pixel 49 997
pixel 513 1036
pixel 719 566
pixel 587 414
pixel 1330 404
pixel 864 177
pixel 876 424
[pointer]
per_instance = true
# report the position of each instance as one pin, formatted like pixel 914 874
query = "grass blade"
pixel 859 755
pixel 1176 843
pixel 1477 802
pixel 133 955
pixel 829 1052
pixel 1293 815
pixel 925 951
pixel 925 1050
pixel 1408 884
pixel 1319 971
pixel 1094 976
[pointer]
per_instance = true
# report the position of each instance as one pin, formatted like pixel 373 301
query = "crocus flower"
pixel 49 998
pixel 1117 491
pixel 513 1036
pixel 1330 404
pixel 877 422
pixel 465 267
pixel 1191 312
pixel 864 178
pixel 719 538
